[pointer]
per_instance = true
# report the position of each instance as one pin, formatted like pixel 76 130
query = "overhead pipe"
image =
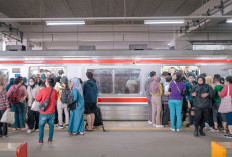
pixel 114 18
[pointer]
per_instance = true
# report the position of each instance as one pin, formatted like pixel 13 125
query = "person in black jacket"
pixel 201 98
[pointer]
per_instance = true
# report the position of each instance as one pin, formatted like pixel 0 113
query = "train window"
pixel 48 71
pixel 104 79
pixel 4 73
pixel 185 69
pixel 127 81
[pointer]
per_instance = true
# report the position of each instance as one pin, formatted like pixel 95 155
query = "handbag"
pixel 226 105
pixel 8 117
pixel 43 107
pixel 72 105
pixel 35 106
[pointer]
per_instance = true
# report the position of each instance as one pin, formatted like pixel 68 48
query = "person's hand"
pixel 189 105
pixel 219 93
pixel 204 95
pixel 167 93
pixel 9 109
pixel 194 94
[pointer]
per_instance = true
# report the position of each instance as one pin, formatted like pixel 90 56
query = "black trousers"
pixel 210 117
pixel 33 119
pixel 201 116
pixel 166 114
pixel 3 126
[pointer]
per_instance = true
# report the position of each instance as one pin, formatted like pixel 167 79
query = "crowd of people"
pixel 19 95
pixel 176 100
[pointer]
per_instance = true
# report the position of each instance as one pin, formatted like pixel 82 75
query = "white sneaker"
pixel 154 125
pixel 37 130
pixel 61 127
pixel 172 129
pixel 178 130
pixel 159 126
pixel 29 131
pixel 149 122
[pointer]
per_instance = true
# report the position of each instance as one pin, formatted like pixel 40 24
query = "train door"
pixel 184 69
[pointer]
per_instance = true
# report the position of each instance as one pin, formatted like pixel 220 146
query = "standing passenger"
pixel 156 92
pixel 90 93
pixel 201 100
pixel 76 123
pixel 148 94
pixel 17 95
pixel 175 102
pixel 10 84
pixel 224 93
pixel 49 114
pixel 33 116
pixel 4 105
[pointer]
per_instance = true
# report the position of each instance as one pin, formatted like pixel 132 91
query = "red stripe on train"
pixel 122 100
pixel 116 61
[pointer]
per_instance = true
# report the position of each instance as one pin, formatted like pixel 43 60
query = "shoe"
pixel 159 126
pixel 149 122
pixel 66 125
pixel 229 136
pixel 224 131
pixel 40 142
pixel 75 133
pixel 215 130
pixel 192 126
pixel 23 129
pixel 37 130
pixel 201 132
pixel 50 141
pixel 14 129
pixel 29 131
pixel 172 129
pixel 196 131
pixel 154 125
pixel 60 127
pixel 4 136
pixel 226 135
pixel 178 130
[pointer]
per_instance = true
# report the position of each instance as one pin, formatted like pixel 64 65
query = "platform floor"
pixel 124 139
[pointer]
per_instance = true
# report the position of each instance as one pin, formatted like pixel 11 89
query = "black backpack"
pixel 64 95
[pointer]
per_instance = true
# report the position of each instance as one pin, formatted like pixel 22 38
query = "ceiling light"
pixel 229 21
pixel 61 23
pixel 150 22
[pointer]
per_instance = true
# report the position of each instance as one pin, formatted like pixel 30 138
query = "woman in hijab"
pixel 156 92
pixel 76 122
pixel 10 84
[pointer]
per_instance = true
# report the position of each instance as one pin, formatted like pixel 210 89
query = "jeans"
pixel 175 107
pixel 43 118
pixel 33 119
pixel 3 126
pixel 19 109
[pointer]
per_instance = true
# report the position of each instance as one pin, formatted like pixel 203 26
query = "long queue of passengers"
pixel 190 100
pixel 18 97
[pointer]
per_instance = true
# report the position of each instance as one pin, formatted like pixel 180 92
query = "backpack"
pixel 64 95
pixel 15 96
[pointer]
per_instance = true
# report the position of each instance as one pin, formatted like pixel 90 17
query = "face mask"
pixel 31 83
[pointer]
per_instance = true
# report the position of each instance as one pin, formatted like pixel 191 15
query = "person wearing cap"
pixel 43 78
pixel 60 105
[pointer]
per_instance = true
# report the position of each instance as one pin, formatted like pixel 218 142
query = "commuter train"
pixel 120 75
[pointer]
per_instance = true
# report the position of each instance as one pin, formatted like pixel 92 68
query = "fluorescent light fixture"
pixel 62 23
pixel 229 21
pixel 152 22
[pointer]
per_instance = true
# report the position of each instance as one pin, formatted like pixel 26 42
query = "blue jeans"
pixel 175 107
pixel 19 110
pixel 43 118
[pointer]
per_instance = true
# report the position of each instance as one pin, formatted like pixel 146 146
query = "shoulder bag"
pixel 43 107
pixel 226 105
pixel 183 92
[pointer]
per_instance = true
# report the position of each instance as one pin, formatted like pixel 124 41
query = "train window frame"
pixel 113 81
pixel 47 66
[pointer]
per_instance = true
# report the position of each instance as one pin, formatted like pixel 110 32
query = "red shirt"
pixel 43 95
pixel 225 90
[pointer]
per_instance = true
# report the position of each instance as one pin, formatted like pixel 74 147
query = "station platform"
pixel 124 139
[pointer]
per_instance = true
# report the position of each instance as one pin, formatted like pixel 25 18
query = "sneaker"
pixel 14 129
pixel 66 125
pixel 178 130
pixel 149 122
pixel 172 129
pixel 29 131
pixel 154 125
pixel 37 130
pixel 229 136
pixel 159 126
pixel 60 127
pixel 40 142
pixel 226 135
pixel 5 136
pixel 50 141
pixel 192 126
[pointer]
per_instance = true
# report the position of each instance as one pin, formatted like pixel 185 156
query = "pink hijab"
pixel 155 85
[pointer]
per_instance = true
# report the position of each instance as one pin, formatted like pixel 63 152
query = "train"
pixel 120 75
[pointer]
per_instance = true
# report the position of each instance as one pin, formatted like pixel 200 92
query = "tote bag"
pixel 8 117
pixel 35 106
pixel 226 105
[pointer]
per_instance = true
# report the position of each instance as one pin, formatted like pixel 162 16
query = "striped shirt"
pixel 4 104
